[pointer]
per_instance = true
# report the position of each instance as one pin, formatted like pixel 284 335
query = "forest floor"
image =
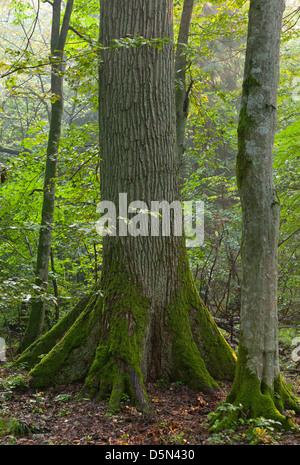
pixel 180 416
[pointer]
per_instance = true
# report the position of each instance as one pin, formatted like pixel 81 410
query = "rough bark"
pixel 144 320
pixel 58 40
pixel 258 386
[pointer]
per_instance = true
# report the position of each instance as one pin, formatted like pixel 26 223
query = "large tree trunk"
pixel 58 39
pixel 258 386
pixel 145 320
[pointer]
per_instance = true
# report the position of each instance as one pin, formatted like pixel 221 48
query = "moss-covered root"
pixel 116 367
pixel 219 358
pixel 31 356
pixel 115 378
pixel 196 335
pixel 69 360
pixel 187 364
pixel 252 399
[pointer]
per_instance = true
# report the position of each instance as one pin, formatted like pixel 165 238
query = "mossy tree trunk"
pixel 258 386
pixel 144 320
pixel 58 39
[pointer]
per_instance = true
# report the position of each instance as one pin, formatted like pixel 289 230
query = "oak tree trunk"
pixel 144 320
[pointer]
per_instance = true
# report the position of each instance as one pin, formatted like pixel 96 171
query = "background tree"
pixel 258 385
pixel 182 92
pixel 58 40
pixel 24 127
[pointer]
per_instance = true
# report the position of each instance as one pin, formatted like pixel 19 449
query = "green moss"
pixel 119 353
pixel 249 83
pixel 255 399
pixel 188 365
pixel 199 349
pixel 283 398
pixel 276 200
pixel 246 123
pixel 32 355
pixel 69 360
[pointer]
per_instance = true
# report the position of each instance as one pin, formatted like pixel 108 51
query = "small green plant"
pixel 161 383
pixel 125 398
pixel 179 383
pixel 225 410
pixel 63 412
pixel 12 440
pixel 125 437
pixel 175 385
pixel 63 398
pixel 112 415
pixel 253 431
pixel 14 383
pixel 261 431
pixel 14 427
pixel 174 438
pixel 226 437
pixel 19 428
pixel 161 425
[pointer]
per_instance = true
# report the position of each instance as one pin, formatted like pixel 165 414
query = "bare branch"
pixel 13 151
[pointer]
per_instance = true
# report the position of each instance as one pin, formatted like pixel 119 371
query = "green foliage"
pixel 14 383
pixel 223 411
pixel 138 41
pixel 14 427
pixel 287 173
pixel 256 431
pixel 77 184
pixel 63 398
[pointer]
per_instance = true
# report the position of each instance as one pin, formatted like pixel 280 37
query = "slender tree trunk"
pixel 144 320
pixel 54 283
pixel 182 92
pixel 58 39
pixel 258 386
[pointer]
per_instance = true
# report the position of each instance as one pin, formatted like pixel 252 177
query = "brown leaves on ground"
pixel 59 416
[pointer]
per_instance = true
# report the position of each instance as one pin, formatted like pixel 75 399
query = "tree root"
pixel 114 343
pixel 31 356
pixel 254 400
